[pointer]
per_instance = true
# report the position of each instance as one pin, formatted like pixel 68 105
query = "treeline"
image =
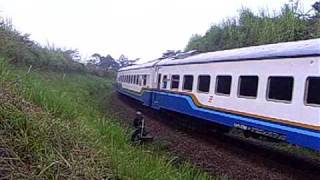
pixel 21 50
pixel 100 64
pixel 250 29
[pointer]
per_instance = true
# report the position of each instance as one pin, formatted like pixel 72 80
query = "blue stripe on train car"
pixel 144 98
pixel 184 104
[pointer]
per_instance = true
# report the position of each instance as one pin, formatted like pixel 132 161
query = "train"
pixel 270 90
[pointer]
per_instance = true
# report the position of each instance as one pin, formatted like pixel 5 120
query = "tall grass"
pixel 4 73
pixel 75 124
pixel 47 142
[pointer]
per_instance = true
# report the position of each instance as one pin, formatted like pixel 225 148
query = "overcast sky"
pixel 137 28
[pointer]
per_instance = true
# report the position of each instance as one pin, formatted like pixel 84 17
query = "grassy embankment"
pixel 66 134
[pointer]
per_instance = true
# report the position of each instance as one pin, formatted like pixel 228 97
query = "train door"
pixel 159 82
pixel 154 100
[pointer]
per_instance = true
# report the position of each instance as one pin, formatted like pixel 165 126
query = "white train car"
pixel 272 90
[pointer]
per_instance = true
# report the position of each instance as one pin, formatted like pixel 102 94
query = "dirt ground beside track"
pixel 216 154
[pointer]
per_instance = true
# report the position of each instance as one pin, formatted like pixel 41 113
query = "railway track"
pixel 227 155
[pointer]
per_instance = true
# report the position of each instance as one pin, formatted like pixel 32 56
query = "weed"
pixel 69 135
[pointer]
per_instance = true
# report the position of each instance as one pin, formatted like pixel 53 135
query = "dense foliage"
pixel 22 51
pixel 109 63
pixel 250 29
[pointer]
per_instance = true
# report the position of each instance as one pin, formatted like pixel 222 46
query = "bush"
pixel 22 51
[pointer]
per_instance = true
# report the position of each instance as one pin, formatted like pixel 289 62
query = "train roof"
pixel 139 66
pixel 270 51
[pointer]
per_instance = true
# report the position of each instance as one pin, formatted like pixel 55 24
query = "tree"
pixel 170 53
pixel 124 61
pixel 72 54
pixel 103 62
pixel 316 6
pixel 108 63
pixel 194 42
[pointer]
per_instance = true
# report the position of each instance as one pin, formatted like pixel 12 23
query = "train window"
pixel 135 79
pixel 131 79
pixel 139 80
pixel 223 85
pixel 248 86
pixel 159 80
pixel 164 82
pixel 144 79
pixel 312 91
pixel 280 88
pixel 204 83
pixel 175 81
pixel 187 82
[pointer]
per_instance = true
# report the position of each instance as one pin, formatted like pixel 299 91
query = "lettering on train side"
pixel 210 99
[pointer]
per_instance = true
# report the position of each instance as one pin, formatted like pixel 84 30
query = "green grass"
pixel 72 136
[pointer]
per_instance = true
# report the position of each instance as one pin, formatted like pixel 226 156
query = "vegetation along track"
pixel 225 155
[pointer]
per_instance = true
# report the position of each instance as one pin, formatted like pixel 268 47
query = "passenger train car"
pixel 271 90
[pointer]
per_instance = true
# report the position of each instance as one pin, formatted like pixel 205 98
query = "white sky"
pixel 137 28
